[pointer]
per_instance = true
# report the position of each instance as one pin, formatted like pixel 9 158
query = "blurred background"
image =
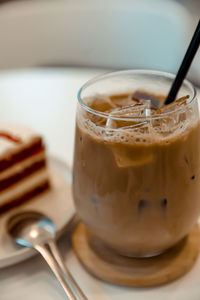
pixel 69 41
pixel 116 34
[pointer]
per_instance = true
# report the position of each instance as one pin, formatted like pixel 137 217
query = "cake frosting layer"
pixel 24 134
pixel 20 166
pixel 24 186
pixel 25 197
pixel 18 155
pixel 14 138
pixel 9 182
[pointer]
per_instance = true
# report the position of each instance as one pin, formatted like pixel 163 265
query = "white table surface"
pixel 46 100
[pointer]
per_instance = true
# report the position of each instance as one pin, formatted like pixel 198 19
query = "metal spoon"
pixel 34 230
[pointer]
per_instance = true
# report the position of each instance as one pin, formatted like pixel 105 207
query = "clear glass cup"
pixel 136 173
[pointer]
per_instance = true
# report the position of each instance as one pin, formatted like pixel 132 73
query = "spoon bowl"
pixel 35 230
pixel 30 228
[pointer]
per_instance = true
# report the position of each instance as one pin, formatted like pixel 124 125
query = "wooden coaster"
pixel 105 264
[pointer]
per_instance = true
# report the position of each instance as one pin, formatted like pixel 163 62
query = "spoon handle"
pixel 53 247
pixel 45 252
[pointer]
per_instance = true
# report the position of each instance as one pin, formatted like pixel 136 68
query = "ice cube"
pixel 121 100
pixel 125 157
pixel 182 100
pixel 132 111
pixel 177 104
pixel 100 103
pixel 156 100
pixel 126 113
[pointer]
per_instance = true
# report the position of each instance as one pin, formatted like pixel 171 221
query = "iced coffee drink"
pixel 136 178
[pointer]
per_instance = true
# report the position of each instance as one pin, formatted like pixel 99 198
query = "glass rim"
pixel 135 71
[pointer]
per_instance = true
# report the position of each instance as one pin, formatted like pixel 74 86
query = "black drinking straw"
pixel 185 65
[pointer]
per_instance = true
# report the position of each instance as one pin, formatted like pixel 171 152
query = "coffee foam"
pixel 132 136
pixel 140 133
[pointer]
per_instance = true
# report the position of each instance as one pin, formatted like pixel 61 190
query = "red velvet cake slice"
pixel 23 168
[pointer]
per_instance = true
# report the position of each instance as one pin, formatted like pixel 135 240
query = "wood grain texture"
pixel 105 264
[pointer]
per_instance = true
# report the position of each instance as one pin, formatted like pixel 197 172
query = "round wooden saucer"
pixel 105 264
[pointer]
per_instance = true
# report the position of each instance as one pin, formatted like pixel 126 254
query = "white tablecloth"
pixel 46 100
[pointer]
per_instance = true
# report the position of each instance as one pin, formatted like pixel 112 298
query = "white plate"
pixel 56 203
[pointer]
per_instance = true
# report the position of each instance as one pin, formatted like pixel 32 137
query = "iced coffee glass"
pixel 136 174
